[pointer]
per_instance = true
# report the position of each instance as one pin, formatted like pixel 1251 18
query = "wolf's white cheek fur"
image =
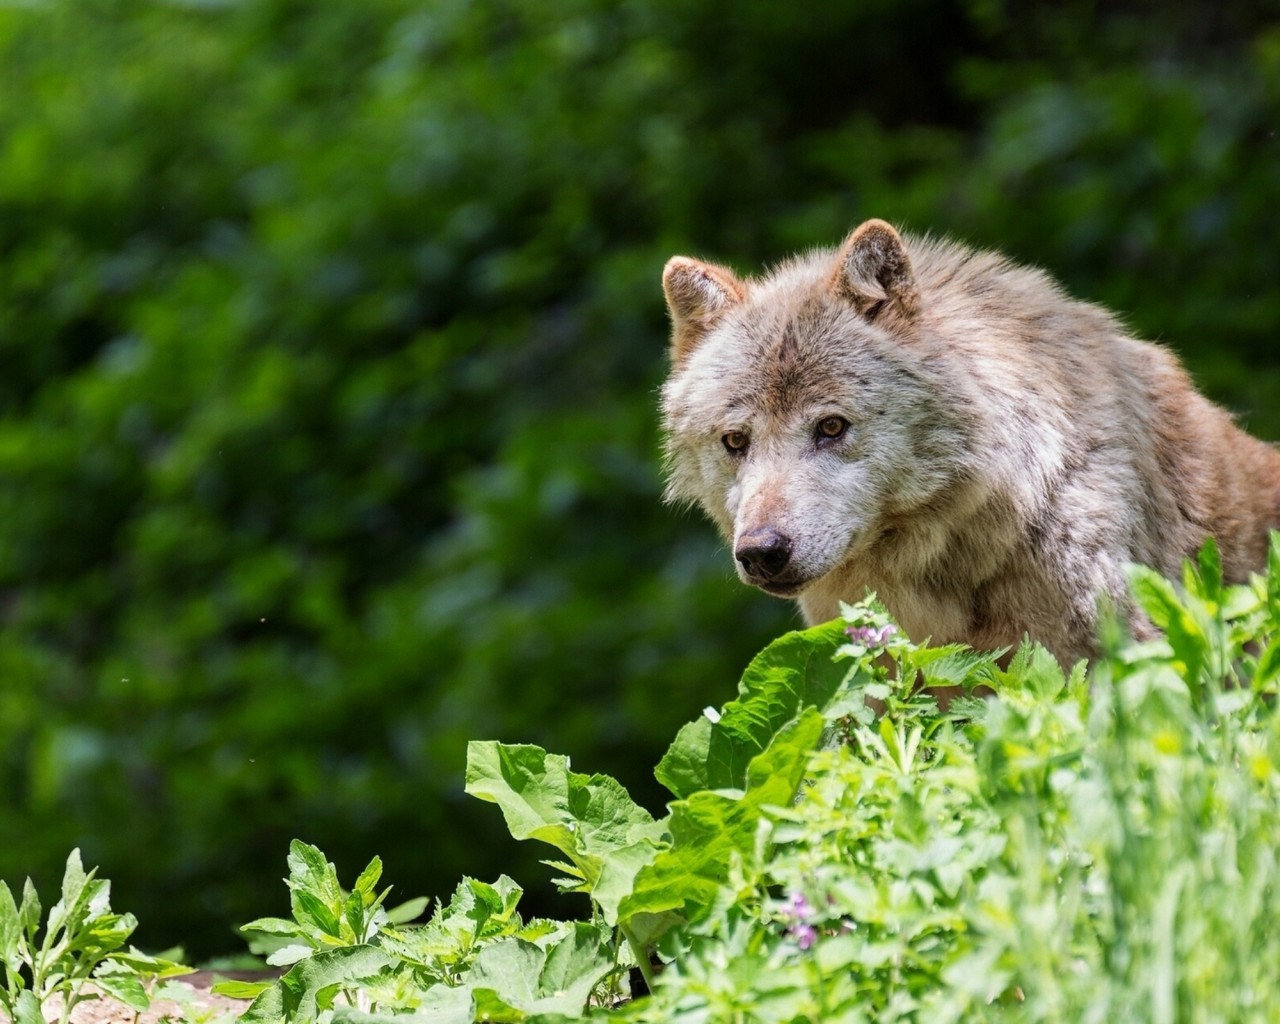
pixel 832 514
pixel 820 505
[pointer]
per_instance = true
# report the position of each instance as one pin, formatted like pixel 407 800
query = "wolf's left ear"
pixel 873 271
pixel 698 294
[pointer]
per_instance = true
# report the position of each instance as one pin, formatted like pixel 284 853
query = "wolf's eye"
pixel 735 442
pixel 831 428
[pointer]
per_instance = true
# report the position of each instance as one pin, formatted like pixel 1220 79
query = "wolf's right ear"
pixel 698 294
pixel 873 271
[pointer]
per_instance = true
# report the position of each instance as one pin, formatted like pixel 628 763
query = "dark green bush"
pixel 330 335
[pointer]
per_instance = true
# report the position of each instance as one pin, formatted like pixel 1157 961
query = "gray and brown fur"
pixel 1006 448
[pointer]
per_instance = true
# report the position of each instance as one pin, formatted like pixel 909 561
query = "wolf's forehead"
pixel 778 363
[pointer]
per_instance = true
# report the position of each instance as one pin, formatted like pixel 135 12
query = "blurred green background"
pixel 329 342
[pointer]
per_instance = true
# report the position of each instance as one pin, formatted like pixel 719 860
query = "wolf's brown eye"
pixel 831 428
pixel 735 441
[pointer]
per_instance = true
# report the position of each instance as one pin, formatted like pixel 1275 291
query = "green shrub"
pixel 1071 847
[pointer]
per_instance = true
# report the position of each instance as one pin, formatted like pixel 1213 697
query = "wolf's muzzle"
pixel 763 554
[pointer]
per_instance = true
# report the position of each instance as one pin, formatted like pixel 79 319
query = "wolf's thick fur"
pixel 951 431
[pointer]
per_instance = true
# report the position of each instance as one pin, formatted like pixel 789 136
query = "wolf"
pixel 952 431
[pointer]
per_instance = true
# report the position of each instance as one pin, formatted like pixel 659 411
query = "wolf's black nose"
pixel 763 553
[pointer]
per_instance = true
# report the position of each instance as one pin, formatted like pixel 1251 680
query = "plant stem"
pixel 642 957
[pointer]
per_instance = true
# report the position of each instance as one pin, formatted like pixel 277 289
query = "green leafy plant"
pixel 82 952
pixel 1074 844
pixel 1070 846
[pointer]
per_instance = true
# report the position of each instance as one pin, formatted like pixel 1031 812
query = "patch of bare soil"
pixel 203 1007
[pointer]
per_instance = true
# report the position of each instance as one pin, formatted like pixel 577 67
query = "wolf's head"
pixel 802 411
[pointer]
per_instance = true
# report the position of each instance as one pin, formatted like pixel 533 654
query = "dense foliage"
pixel 1070 847
pixel 329 337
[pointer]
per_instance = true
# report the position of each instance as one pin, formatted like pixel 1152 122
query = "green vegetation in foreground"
pixel 1079 846
pixel 83 944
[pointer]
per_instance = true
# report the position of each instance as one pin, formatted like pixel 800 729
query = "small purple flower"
pixel 804 934
pixel 797 907
pixel 797 912
pixel 870 636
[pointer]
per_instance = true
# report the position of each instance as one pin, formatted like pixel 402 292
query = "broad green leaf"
pixel 574 967
pixel 104 932
pixel 489 1006
pixel 286 956
pixel 310 909
pixel 590 819
pixel 706 829
pixel 710 827
pixel 27 1010
pixel 533 979
pixel 127 988
pixel 793 672
pixel 311 873
pixel 542 799
pixel 268 1007
pixel 304 988
pixel 499 900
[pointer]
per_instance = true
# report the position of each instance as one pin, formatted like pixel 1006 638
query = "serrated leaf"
pixel 310 909
pixel 368 880
pixel 311 873
pixel 353 912
pixel 793 672
pixel 500 899
pixel 952 664
pixel 1158 598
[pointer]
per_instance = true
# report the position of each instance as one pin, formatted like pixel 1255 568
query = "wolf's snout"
pixel 763 553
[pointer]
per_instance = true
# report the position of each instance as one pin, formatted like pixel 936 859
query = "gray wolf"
pixel 952 431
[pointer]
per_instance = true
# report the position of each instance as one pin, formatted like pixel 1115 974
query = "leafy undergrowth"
pixel 79 954
pixel 1076 847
